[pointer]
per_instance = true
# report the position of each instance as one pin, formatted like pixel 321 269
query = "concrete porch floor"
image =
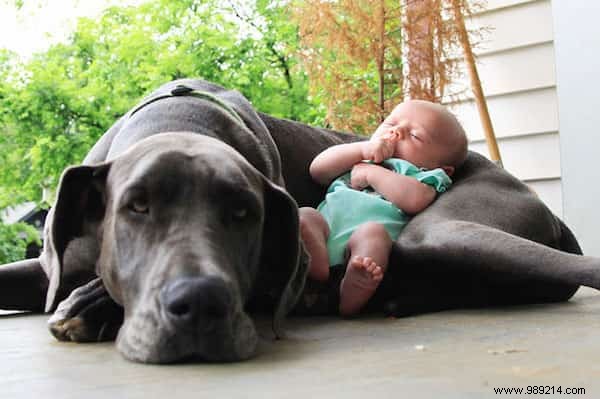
pixel 453 354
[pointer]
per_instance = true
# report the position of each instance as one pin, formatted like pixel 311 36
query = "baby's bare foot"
pixel 359 284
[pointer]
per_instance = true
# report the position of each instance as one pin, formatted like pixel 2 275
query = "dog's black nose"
pixel 195 301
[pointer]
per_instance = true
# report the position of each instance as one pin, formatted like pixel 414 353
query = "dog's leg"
pixel 23 286
pixel 433 291
pixel 487 251
pixel 88 315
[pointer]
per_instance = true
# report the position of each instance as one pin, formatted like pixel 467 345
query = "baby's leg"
pixel 369 248
pixel 314 232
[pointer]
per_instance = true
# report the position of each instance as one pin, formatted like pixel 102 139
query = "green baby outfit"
pixel 345 208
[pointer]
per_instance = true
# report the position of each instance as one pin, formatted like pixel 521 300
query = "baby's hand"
pixel 359 176
pixel 380 148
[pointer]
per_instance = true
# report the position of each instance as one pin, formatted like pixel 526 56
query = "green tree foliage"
pixel 14 239
pixel 268 21
pixel 55 105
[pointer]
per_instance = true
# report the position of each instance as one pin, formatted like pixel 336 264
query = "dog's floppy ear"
pixel 72 223
pixel 281 251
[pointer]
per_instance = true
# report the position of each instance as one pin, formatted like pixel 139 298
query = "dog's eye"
pixel 239 213
pixel 138 206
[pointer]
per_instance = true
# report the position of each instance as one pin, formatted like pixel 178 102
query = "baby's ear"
pixel 449 170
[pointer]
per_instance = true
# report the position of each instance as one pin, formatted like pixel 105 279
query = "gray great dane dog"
pixel 183 219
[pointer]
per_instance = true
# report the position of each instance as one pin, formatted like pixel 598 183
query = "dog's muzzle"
pixel 196 304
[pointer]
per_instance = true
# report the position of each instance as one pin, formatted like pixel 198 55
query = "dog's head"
pixel 187 230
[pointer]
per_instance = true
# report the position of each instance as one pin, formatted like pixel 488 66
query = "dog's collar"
pixel 182 90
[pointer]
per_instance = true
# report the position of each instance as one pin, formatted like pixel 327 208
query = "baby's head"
pixel 429 136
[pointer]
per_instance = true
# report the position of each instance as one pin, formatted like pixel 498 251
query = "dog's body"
pixel 180 212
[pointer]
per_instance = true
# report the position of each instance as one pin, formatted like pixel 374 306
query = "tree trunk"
pixel 420 56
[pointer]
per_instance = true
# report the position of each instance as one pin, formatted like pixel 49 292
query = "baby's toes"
pixel 377 271
pixel 357 262
pixel 370 267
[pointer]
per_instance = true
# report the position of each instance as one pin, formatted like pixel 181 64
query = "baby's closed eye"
pixel 414 135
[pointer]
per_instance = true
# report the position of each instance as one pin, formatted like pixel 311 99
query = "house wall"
pixel 517 70
pixel 578 61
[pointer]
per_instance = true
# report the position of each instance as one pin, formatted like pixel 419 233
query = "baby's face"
pixel 419 130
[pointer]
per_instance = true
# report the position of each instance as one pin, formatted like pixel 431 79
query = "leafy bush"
pixel 14 239
pixel 57 103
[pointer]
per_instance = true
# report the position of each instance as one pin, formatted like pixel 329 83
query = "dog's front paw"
pixel 87 315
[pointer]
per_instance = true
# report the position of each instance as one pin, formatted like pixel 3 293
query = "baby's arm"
pixel 336 160
pixel 407 193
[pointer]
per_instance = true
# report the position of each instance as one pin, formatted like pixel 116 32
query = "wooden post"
pixel 484 114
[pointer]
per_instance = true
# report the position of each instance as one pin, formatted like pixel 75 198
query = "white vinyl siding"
pixel 577 40
pixel 516 66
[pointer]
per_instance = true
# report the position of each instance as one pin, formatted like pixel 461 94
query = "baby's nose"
pixel 400 130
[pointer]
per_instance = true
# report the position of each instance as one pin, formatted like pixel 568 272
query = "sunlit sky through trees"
pixel 40 23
